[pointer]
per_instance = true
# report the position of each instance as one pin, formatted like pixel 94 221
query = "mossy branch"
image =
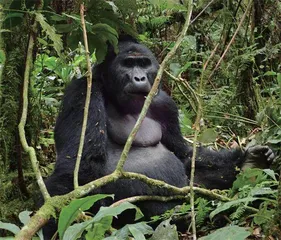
pixel 143 198
pixel 88 99
pixel 21 127
pixel 56 203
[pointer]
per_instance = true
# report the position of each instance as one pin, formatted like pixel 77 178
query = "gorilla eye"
pixel 128 62
pixel 144 62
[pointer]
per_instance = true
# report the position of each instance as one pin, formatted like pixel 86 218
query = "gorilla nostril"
pixel 140 79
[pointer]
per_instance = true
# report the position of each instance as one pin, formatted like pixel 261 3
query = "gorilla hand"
pixel 258 157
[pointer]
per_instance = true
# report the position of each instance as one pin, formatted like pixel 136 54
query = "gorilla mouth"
pixel 138 92
pixel 144 94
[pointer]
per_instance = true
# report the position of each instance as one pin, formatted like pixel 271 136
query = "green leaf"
pixel 69 213
pixel 270 73
pixel 208 135
pixel 137 234
pixel 106 33
pixel 10 227
pixel 75 231
pixel 263 216
pixel 116 210
pixel 51 32
pixel 13 15
pixel 42 41
pixel 24 217
pixel 270 173
pixel 165 231
pixel 230 204
pixel 99 229
pixel 51 63
pixel 228 233
pixel 74 17
pixel 262 191
pixel 125 231
pixel 101 34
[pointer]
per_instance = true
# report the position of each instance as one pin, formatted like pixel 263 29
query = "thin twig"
pixel 194 145
pixel 153 90
pixel 232 39
pixel 87 101
pixel 203 10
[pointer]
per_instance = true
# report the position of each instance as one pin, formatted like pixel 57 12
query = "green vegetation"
pixel 241 103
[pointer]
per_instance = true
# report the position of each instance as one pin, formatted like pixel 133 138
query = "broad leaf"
pixel 50 32
pixel 137 234
pixel 102 34
pixel 165 231
pixel 69 213
pixel 135 229
pixel 270 173
pixel 24 217
pixel 230 204
pixel 10 227
pixel 98 230
pixel 114 211
pixel 75 231
pixel 228 233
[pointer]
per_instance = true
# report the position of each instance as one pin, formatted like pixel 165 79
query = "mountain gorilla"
pixel 159 151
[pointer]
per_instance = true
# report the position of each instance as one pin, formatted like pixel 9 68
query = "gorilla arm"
pixel 69 122
pixel 214 169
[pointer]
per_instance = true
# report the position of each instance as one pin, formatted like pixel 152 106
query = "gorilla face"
pixel 130 76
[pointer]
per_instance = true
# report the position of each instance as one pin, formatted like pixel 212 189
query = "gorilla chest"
pixel 147 155
pixel 153 161
pixel 120 126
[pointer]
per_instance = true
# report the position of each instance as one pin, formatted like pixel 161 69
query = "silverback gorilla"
pixel 159 151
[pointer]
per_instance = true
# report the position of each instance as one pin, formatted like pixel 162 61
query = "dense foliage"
pixel 240 99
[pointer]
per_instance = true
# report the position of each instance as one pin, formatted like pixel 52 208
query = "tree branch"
pixel 30 150
pixel 56 203
pixel 149 198
pixel 87 101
